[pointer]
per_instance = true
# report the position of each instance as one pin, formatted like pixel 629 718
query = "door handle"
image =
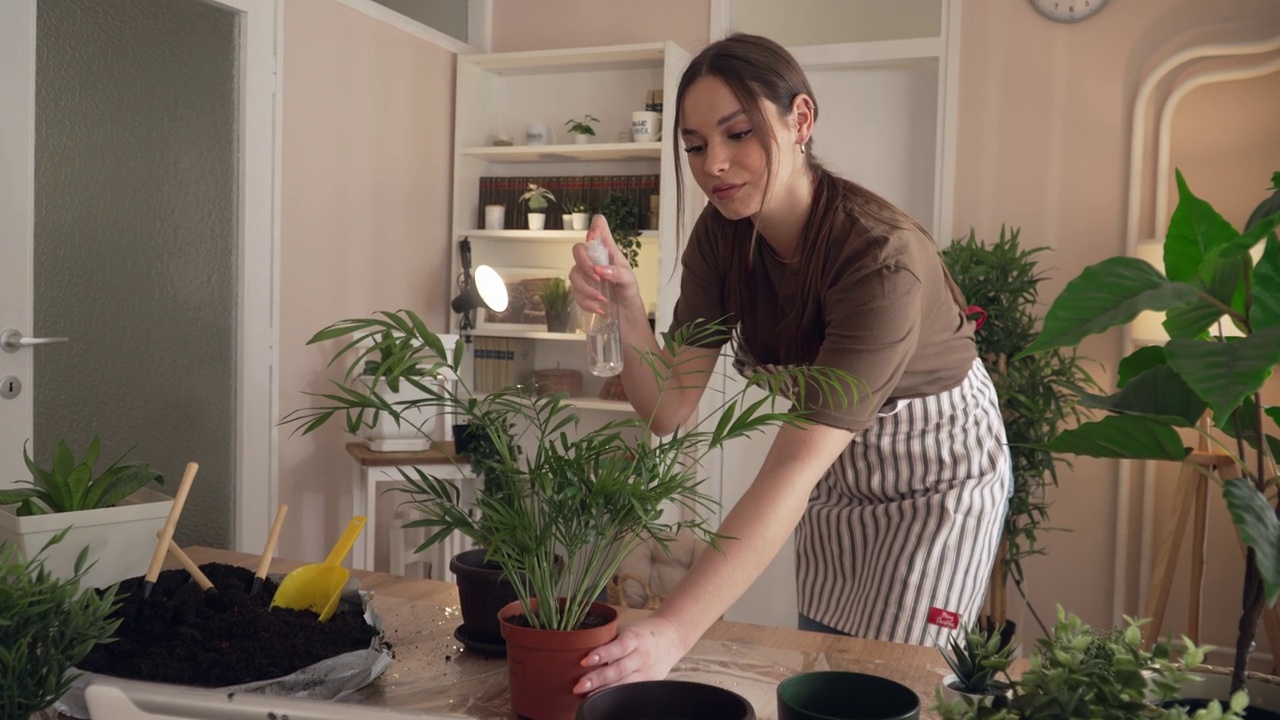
pixel 13 340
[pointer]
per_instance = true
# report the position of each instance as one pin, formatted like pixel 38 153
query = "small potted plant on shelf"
pixel 50 624
pixel 112 511
pixel 581 214
pixel 537 198
pixel 569 502
pixel 975 660
pixel 581 129
pixel 1076 673
pixel 623 219
pixel 1198 377
pixel 557 303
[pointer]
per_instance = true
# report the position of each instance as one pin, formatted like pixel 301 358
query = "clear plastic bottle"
pixel 604 332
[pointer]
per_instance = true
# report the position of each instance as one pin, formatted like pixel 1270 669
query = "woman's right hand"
pixel 585 277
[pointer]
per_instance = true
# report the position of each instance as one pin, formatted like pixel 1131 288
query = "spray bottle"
pixel 604 332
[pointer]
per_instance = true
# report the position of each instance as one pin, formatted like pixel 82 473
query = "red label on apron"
pixel 944 618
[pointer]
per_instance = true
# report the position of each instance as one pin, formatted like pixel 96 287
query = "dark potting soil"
pixel 185 636
pixel 590 621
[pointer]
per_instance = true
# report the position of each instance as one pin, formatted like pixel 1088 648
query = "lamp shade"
pixel 1148 327
pixel 488 290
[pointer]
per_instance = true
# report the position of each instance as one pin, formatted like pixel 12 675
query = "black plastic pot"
pixel 666 699
pixel 836 695
pixel 482 592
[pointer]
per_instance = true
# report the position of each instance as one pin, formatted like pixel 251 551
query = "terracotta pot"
pixel 544 665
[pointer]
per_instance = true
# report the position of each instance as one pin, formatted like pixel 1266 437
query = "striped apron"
pixel 899 536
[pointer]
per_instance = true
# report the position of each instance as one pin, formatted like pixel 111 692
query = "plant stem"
pixel 1251 611
pixel 1017 582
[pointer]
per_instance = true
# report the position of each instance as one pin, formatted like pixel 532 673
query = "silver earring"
pixel 801 149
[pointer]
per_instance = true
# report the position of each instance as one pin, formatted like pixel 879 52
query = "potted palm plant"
pixel 1003 280
pixel 1209 280
pixel 112 511
pixel 568 503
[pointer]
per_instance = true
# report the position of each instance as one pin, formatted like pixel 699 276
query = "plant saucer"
pixel 462 635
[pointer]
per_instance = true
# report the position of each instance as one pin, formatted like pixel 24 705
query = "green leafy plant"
pixel 48 625
pixel 623 219
pixel 1076 673
pixel 1209 278
pixel 537 197
pixel 579 207
pixel 70 485
pixel 557 296
pixel 386 354
pixel 583 126
pixel 1003 278
pixel 977 657
pixel 588 495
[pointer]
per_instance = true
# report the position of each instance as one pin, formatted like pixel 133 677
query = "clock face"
pixel 1068 11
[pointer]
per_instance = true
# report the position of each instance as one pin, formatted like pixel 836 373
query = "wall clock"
pixel 1069 11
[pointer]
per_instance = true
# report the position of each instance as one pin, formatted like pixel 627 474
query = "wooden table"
pixel 432 672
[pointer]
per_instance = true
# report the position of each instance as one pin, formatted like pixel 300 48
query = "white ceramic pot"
pixel 951 694
pixel 388 436
pixel 120 539
pixel 580 139
pixel 537 221
pixel 566 221
pixel 580 221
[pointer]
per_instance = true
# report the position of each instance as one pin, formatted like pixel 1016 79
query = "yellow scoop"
pixel 318 586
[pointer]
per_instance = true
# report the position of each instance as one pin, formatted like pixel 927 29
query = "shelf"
pixel 593 152
pixel 593 403
pixel 544 235
pixel 647 55
pixel 529 334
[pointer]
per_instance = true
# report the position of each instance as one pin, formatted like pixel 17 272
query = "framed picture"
pixel 524 306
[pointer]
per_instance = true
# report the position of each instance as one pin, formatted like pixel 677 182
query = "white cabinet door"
pixel 136 217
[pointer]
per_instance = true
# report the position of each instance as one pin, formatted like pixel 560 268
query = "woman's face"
pixel 726 154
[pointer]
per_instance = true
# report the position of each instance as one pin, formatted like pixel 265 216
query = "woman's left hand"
pixel 644 650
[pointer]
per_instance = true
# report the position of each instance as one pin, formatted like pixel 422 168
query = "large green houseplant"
pixel 1209 278
pixel 562 503
pixel 1003 279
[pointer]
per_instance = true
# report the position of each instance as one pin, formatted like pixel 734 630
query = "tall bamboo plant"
pixel 1209 280
pixel 562 505
pixel 1003 279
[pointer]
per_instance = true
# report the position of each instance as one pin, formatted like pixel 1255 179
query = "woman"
pixel 897 499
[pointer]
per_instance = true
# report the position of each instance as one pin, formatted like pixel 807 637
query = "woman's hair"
pixel 756 68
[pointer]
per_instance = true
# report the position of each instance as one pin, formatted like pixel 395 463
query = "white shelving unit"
pixel 504 93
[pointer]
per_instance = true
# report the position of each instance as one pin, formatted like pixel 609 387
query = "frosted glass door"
pixel 136 235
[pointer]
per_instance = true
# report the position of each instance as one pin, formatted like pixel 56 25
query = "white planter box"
pixel 121 539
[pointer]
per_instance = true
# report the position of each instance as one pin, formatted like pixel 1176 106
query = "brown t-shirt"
pixel 888 314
